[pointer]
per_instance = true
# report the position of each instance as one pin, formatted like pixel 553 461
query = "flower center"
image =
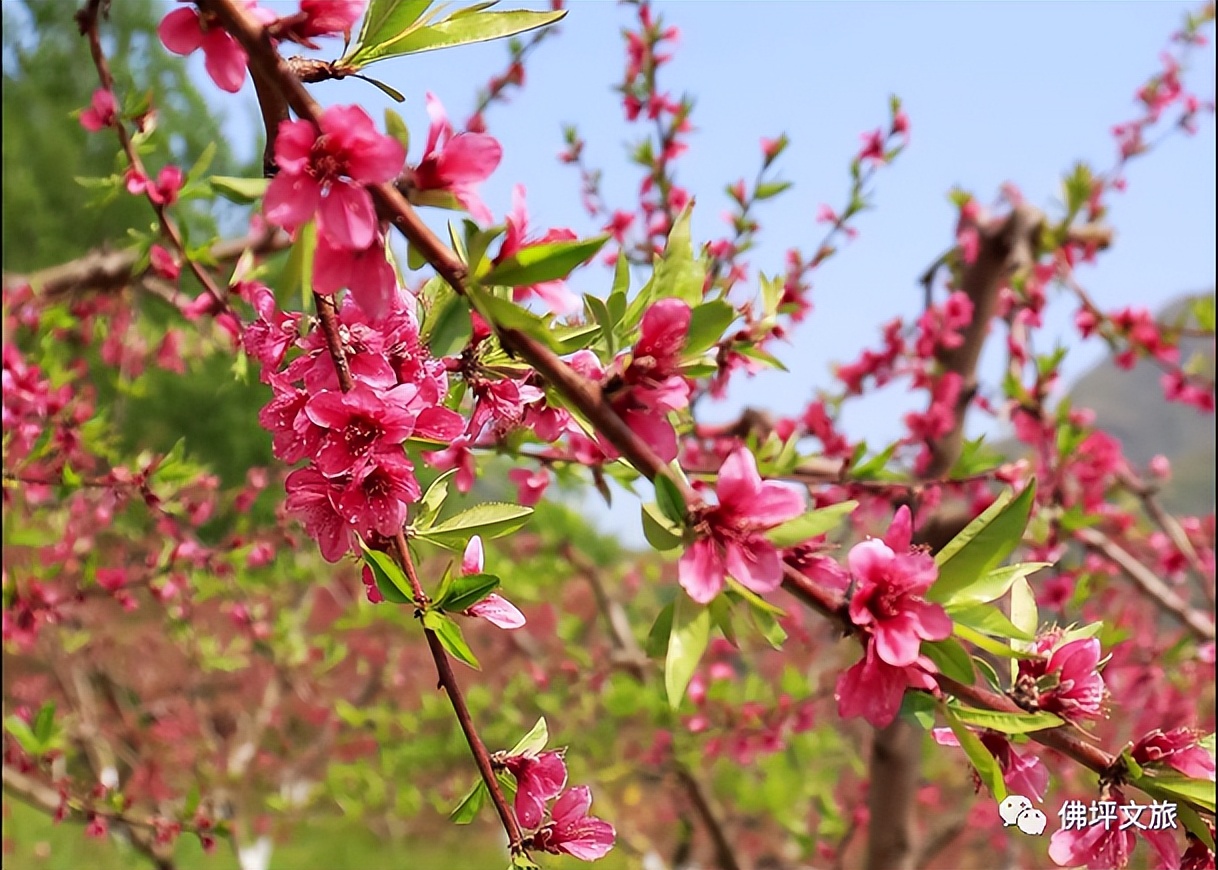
pixel 327 161
pixel 359 435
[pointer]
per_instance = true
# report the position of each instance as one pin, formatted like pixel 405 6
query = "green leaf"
pixel 490 520
pixel 539 263
pixel 679 275
pixel 242 191
pixel 670 501
pixel 447 326
pixel 432 501
pixel 44 723
pixel 202 164
pixel 762 356
pixel 297 275
pixel 982 545
pixel 389 577
pixel 983 762
pixel 657 639
pixel 951 659
pixel 1195 826
pixel 995 584
pixel 811 524
pixel 449 634
pixel 1007 723
pixel 533 742
pixel 707 323
pixel 769 189
pixel 455 30
pixel 467 810
pixel 687 642
pixel 659 532
pixel 987 619
pixel 387 20
pixel 396 127
pixel 598 312
pixel 767 623
pixel 389 91
pixel 23 734
pixel 466 591
pixel 1024 616
pixel 990 645
pixel 987 671
pixel 919 707
pixel 1176 784
pixel 754 600
pixel 721 615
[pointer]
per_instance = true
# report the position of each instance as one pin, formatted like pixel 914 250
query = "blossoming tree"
pixel 227 658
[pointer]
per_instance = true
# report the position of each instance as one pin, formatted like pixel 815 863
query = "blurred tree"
pixel 46 79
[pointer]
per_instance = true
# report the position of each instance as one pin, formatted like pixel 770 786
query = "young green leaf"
pixel 539 263
pixel 657 638
pixel 707 323
pixel 987 619
pixel 432 501
pixel 951 659
pixel 670 501
pixel 242 191
pixel 490 520
pixel 466 591
pixel 453 31
pixel 809 525
pixel 467 810
pixel 533 742
pixel 1007 723
pixel 662 534
pixel 390 580
pixel 449 634
pixel 983 545
pixel 991 586
pixel 983 762
pixel 690 635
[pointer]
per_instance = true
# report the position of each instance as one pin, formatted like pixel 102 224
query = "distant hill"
pixel 1130 405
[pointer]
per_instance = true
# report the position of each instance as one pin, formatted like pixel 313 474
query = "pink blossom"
pixel 320 18
pixel 1177 748
pixel 362 423
pixel 366 272
pixel 185 31
pixel 457 455
pixel 1023 774
pixel 887 601
pixel 164 263
pixel 873 689
pixel 530 485
pixel 164 191
pixel 554 293
pixel 312 497
pixel 494 608
pixel 325 172
pixel 732 539
pixel 375 500
pixel 1067 681
pixel 456 164
pixel 572 831
pixel 102 111
pixel 539 778
pixel 1107 847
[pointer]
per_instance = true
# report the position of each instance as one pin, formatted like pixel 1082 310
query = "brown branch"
pixel 1155 589
pixel 37 794
pixel 86 18
pixel 1171 527
pixel 724 854
pixel 106 271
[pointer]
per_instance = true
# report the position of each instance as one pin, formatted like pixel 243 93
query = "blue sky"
pixel 995 92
